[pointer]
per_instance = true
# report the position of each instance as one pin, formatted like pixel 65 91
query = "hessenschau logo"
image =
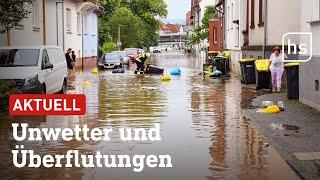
pixel 303 49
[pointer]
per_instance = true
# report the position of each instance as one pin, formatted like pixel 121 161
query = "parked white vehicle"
pixel 35 69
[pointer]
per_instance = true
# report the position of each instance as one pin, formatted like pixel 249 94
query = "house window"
pixel 68 14
pixel 215 35
pixel 247 15
pixel 252 14
pixel 78 24
pixel 36 14
pixel 261 13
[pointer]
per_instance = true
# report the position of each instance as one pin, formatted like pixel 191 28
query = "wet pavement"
pixel 295 130
pixel 202 127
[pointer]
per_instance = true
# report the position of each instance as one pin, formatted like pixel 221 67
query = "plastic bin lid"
pixel 247 60
pixel 223 57
pixel 291 64
pixel 226 53
pixel 212 52
pixel 262 64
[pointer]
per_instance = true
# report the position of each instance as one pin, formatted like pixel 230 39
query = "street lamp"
pixel 119 43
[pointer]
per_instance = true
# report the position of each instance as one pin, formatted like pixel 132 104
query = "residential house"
pixel 199 8
pixel 68 24
pixel 172 36
pixel 263 24
pixel 309 72
pixel 188 19
pixel 233 35
pixel 216 28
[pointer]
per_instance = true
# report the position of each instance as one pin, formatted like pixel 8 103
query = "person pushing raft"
pixel 140 63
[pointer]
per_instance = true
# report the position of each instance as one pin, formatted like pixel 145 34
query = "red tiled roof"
pixel 170 28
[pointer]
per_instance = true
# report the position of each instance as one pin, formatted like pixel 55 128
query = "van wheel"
pixel 43 89
pixel 64 87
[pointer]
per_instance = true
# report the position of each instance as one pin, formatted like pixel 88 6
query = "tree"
pixel 12 12
pixel 140 20
pixel 130 26
pixel 202 32
pixel 108 47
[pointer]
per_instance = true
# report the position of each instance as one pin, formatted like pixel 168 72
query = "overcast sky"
pixel 177 9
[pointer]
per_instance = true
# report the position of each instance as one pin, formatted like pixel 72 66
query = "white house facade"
pixel 234 37
pixel 264 24
pixel 68 24
pixel 309 72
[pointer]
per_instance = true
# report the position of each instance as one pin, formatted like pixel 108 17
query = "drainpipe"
pixel 265 28
pixel 63 28
pixel 44 22
pixel 82 39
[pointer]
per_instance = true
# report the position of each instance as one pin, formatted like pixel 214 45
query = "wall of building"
pixel 282 19
pixel 309 73
pixel 256 33
pixel 234 36
pixel 215 35
pixel 90 34
pixel 73 38
pixel 26 34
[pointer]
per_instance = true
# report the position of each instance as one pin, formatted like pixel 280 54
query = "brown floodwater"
pixel 201 127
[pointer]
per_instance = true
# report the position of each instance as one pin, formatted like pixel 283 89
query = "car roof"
pixel 118 52
pixel 29 47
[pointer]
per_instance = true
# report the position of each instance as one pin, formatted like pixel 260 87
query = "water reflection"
pixel 202 127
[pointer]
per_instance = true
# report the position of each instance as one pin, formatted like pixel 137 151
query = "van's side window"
pixel 45 59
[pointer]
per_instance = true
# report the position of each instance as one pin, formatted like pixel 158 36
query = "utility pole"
pixel 119 43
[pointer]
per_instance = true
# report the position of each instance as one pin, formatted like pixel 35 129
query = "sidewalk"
pixel 297 129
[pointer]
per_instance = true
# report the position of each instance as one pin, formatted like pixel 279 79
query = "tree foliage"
pixel 140 20
pixel 108 47
pixel 202 32
pixel 12 12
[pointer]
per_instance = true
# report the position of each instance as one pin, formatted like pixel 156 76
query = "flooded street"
pixel 201 127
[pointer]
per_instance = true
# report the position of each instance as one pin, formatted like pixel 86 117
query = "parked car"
pixel 156 51
pixel 132 53
pixel 123 56
pixel 110 61
pixel 38 69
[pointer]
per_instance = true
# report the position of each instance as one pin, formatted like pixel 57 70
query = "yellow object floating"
pixel 165 78
pixel 271 110
pixel 95 71
pixel 262 64
pixel 86 84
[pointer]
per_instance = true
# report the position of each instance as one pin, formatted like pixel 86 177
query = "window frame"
pixel 261 13
pixel 68 20
pixel 252 22
pixel 36 14
pixel 43 65
pixel 215 35
pixel 79 29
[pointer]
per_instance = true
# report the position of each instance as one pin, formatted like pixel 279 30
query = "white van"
pixel 35 69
